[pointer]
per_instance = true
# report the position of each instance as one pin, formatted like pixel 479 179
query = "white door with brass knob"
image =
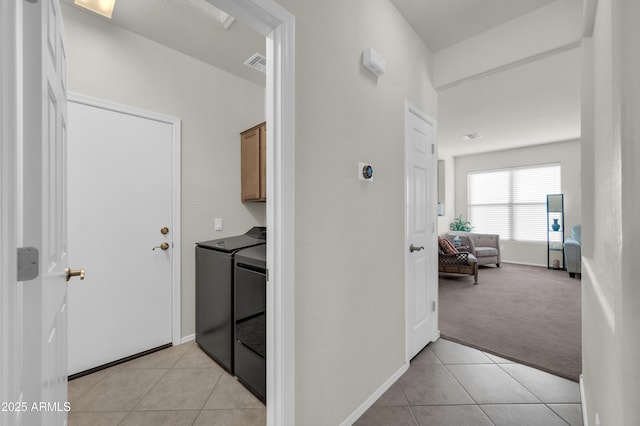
pixel 121 198
pixel 43 342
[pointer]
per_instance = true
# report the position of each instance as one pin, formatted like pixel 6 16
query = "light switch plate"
pixel 218 224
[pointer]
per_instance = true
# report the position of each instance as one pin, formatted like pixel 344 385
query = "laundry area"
pixel 167 191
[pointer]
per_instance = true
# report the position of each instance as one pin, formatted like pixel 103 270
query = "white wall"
pixel 611 178
pixel 565 153
pixel 110 63
pixel 349 278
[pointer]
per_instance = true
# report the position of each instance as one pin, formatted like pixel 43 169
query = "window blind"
pixel 512 202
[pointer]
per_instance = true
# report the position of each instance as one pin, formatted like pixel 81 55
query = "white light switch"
pixel 218 224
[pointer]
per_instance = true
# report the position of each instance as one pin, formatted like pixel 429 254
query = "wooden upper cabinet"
pixel 253 163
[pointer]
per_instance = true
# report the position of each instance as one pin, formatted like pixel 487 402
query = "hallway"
pixel 452 384
pixel 447 384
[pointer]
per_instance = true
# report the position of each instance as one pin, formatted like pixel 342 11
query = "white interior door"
pixel 421 254
pixel 11 330
pixel 45 211
pixel 121 195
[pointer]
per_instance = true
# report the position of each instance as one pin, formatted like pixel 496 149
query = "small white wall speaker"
pixel 373 61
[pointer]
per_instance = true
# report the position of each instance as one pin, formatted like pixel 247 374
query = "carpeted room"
pixel 521 311
pixel 528 314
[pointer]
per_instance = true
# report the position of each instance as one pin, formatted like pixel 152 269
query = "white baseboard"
pixel 374 397
pixel 189 338
pixel 585 419
pixel 523 263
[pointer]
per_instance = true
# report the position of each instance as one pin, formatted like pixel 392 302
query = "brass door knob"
pixel 74 273
pixel 164 230
pixel 163 246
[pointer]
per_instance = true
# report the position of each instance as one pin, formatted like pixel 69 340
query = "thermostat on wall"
pixel 365 171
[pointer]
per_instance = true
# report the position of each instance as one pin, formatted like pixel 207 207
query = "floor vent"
pixel 257 62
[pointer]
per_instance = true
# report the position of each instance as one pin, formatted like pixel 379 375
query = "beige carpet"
pixel 528 314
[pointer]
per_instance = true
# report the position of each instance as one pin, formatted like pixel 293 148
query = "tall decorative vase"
pixel 555 225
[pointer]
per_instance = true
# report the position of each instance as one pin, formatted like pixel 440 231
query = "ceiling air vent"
pixel 257 62
pixel 471 136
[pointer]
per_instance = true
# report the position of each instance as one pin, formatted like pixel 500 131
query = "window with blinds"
pixel 512 202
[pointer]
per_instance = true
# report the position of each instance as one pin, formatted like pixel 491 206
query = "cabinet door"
pixel 250 158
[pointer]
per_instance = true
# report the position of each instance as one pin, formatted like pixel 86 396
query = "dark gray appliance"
pixel 214 293
pixel 250 319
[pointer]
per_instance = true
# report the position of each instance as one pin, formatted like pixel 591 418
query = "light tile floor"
pixel 173 387
pixel 446 384
pixel 452 384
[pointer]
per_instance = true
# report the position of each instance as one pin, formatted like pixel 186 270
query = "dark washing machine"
pixel 250 319
pixel 214 293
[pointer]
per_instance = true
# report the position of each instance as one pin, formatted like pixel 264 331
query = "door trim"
pixel 410 109
pixel 176 281
pixel 278 25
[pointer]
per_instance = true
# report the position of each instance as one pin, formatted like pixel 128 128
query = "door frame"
pixel 278 26
pixel 176 125
pixel 410 109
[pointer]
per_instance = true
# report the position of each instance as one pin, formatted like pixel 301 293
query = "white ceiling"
pixel 443 23
pixel 179 25
pixel 537 102
pixel 534 103
pixel 529 104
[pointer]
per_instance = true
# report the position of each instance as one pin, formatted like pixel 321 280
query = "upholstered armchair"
pixel 485 247
pixel 573 251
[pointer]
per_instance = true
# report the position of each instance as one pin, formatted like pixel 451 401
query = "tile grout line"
pixel 546 404
pixel 146 393
pixel 87 391
pixel 415 418
pixel 460 384
pixel 521 384
pixel 446 367
pixel 152 387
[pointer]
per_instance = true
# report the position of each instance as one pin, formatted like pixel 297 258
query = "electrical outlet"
pixel 218 224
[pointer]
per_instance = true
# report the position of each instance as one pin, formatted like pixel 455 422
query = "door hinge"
pixel 433 148
pixel 433 306
pixel 266 274
pixel 28 263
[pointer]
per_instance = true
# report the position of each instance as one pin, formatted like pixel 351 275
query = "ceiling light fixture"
pixel 471 136
pixel 101 7
pixel 213 12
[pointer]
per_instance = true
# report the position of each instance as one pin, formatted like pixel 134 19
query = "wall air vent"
pixel 471 136
pixel 257 62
